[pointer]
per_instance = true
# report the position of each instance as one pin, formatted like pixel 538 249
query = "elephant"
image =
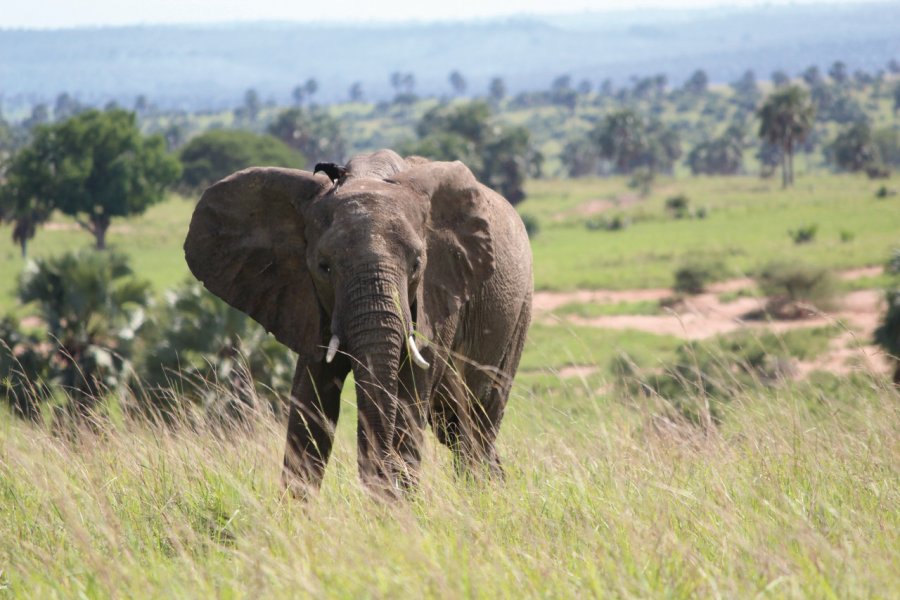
pixel 407 272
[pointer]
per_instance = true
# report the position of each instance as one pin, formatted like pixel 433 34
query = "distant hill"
pixel 209 67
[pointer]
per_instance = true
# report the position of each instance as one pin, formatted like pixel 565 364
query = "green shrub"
pixel 885 192
pixel 677 206
pixel 804 234
pixel 615 223
pixel 788 284
pixel 695 274
pixel 642 180
pixel 847 236
pixel 197 348
pixel 893 264
pixel 532 225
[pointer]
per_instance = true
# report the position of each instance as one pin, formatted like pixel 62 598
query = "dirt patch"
pixel 579 371
pixel 57 226
pixel 704 316
pixel 549 301
pixel 598 206
pixel 861 272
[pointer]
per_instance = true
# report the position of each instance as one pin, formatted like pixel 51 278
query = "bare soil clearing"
pixel 705 315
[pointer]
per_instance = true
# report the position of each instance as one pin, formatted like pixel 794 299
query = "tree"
pixel 838 72
pixel 24 211
pixel 216 154
pixel 746 91
pixel 497 89
pixel 780 79
pixel 23 202
pixel 499 156
pixel 812 76
pixel 40 115
pixel 311 87
pixel 195 347
pixel 249 110
pixel 629 141
pixel 356 92
pixel 896 98
pixel 65 107
pixel 314 133
pixel 458 83
pixel 93 167
pixel 697 83
pixel 854 149
pixel 92 306
pixel 579 158
pixel 786 118
pixel 719 156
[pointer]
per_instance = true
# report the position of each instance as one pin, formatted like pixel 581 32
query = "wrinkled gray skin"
pixel 393 247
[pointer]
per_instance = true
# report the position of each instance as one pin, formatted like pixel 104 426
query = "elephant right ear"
pixel 246 244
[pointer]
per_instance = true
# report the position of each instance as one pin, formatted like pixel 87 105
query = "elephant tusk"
pixel 332 348
pixel 416 355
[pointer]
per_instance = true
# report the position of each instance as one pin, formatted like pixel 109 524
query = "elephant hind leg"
pixel 492 388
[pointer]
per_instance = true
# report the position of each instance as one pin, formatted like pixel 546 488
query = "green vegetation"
pixel 500 156
pixel 786 118
pixel 94 166
pixel 788 284
pixel 696 273
pixel 638 464
pixel 209 157
pixel 791 493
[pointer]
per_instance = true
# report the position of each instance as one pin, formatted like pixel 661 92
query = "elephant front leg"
pixel 315 406
pixel 410 424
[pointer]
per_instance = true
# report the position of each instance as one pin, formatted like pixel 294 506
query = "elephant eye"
pixel 417 264
pixel 323 266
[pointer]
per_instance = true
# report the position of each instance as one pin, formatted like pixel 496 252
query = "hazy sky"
pixel 69 13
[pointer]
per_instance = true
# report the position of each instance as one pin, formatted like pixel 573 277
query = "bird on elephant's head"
pixel 407 272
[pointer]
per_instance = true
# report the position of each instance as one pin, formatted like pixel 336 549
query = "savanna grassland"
pixel 765 481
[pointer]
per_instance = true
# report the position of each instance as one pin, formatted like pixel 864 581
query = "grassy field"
pixel 796 495
pixel 794 492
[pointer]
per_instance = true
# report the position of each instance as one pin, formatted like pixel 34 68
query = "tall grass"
pixel 796 494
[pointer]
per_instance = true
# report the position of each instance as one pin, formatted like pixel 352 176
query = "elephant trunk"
pixel 375 331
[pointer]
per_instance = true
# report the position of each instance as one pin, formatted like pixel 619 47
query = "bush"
pixel 693 276
pixel 532 225
pixel 677 206
pixel 642 180
pixel 804 234
pixel 197 348
pixel 216 154
pixel 847 236
pixel 885 192
pixel 790 285
pixel 615 223
pixel 705 376
pixel 893 264
pixel 92 306
pixel 878 171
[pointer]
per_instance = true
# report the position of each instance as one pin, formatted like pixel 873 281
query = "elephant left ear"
pixel 460 246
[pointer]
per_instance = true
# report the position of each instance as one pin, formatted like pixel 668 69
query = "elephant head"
pixel 369 261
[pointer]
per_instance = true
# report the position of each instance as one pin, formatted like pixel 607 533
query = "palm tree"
pixel 786 118
pixel 92 306
pixel 197 347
